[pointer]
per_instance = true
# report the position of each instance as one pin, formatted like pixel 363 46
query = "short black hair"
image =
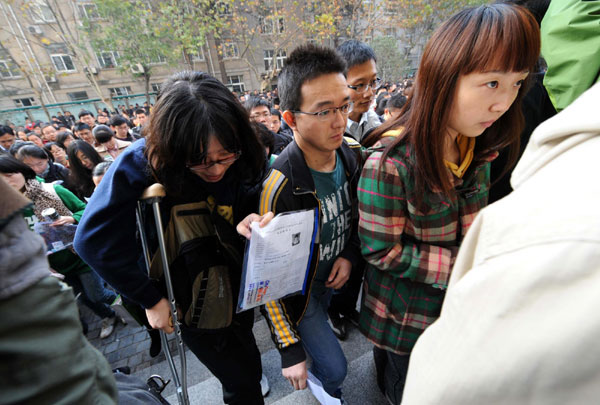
pixel 117 120
pixel 306 62
pixel 265 135
pixel 84 112
pixel 14 148
pixel 102 133
pixel 9 164
pixel 81 126
pixel 355 52
pixel 5 129
pixel 397 101
pixel 100 169
pixel 33 151
pixel 140 111
pixel 381 105
pixel 275 111
pixel 253 102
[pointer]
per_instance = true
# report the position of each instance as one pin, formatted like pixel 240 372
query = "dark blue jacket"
pixel 106 235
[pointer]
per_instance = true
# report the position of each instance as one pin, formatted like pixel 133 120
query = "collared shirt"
pixel 368 121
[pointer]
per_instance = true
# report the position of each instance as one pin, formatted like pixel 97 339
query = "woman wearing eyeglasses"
pixel 201 147
pixel 420 194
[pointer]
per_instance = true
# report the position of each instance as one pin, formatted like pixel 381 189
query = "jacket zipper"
pixel 298 192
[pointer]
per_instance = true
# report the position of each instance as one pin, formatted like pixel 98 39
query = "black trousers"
pixel 344 302
pixel 391 371
pixel 232 356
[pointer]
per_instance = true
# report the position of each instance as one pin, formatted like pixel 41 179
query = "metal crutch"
pixel 153 195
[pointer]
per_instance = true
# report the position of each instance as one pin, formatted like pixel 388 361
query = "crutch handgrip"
pixel 154 191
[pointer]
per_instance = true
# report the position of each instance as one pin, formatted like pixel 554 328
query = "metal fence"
pixel 17 116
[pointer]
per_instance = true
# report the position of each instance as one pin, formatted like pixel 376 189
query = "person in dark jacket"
pixel 260 112
pixel 201 147
pixel 317 170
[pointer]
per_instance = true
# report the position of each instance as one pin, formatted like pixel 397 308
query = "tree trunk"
pixel 147 84
pixel 220 61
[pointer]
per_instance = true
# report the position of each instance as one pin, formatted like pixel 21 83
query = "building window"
pixel 157 60
pixel 268 59
pixel 24 102
pixel 271 25
pixel 78 96
pixel 41 12
pixel 229 50
pixel 9 70
pixel 236 83
pixel 88 11
pixel 120 91
pixel 155 87
pixel 63 63
pixel 108 60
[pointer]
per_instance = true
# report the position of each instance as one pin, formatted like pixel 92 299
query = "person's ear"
pixel 386 114
pixel 290 119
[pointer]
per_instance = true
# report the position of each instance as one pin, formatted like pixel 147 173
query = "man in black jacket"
pixel 260 112
pixel 318 170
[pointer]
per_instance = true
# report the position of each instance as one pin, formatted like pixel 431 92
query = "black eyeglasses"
pixel 226 161
pixel 328 113
pixel 361 88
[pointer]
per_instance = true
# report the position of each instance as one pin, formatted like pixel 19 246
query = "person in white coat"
pixel 520 320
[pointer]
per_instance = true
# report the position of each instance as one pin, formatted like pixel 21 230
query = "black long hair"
pixel 190 108
pixel 81 176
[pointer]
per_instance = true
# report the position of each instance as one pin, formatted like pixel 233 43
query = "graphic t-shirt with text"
pixel 336 210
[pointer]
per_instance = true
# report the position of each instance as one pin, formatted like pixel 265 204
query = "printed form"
pixel 277 258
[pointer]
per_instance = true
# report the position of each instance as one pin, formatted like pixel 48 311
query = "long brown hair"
pixel 493 37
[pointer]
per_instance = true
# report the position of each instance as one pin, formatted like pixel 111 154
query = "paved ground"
pixel 129 344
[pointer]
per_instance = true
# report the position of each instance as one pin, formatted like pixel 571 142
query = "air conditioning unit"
pixel 93 70
pixel 137 68
pixel 35 30
pixel 51 79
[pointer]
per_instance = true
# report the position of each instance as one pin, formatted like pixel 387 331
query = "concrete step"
pixel 359 388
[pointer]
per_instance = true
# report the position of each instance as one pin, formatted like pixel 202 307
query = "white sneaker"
pixel 108 326
pixel 264 386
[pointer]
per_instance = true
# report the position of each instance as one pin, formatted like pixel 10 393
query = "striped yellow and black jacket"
pixel 290 187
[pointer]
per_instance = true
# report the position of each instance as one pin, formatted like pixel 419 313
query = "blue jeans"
pixel 93 293
pixel 328 361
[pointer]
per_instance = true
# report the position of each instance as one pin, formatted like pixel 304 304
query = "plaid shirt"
pixel 410 252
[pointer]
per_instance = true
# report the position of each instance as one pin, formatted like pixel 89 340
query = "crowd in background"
pixel 399 173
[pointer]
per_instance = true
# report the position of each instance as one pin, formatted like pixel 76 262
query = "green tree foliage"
pixel 390 62
pixel 126 31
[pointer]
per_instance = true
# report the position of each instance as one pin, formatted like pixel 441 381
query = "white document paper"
pixel 277 258
pixel 319 392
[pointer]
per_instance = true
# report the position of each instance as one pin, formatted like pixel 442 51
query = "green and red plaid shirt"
pixel 410 252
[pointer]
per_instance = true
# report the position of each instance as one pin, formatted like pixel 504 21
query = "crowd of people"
pixel 451 294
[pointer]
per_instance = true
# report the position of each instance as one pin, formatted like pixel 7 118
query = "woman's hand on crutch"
pixel 160 317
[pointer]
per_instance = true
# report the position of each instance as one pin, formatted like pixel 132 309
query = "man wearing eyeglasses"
pixel 260 111
pixel 363 82
pixel 318 170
